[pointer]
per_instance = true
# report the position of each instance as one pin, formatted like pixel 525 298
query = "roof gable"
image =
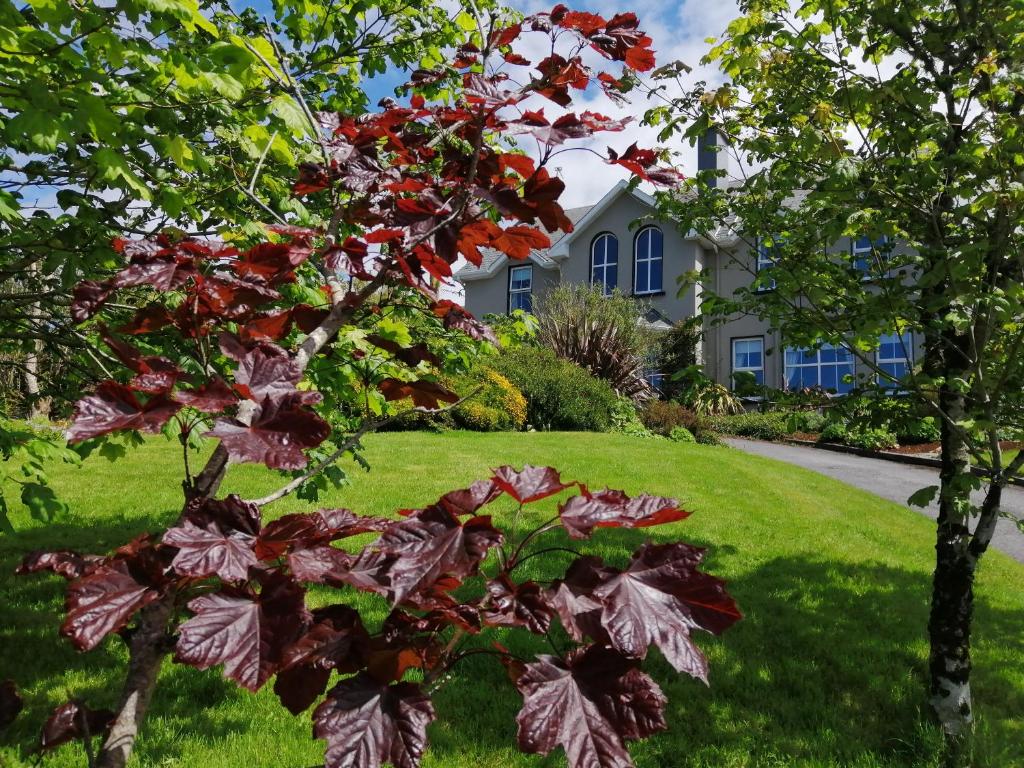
pixel 494 260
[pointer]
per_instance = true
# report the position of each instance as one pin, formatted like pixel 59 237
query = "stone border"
pixel 899 458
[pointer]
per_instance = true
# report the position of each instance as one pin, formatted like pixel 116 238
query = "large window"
pixel 767 257
pixel 863 250
pixel 895 357
pixel 824 368
pixel 647 260
pixel 604 262
pixel 748 357
pixel 520 288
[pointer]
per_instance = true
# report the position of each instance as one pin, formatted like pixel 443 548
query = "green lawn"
pixel 826 669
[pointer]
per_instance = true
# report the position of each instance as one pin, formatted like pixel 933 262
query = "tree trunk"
pixel 38 407
pixel 146 651
pixel 949 625
pixel 149 644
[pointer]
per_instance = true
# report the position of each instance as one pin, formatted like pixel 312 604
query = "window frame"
pixel 649 260
pixel 907 360
pixel 606 289
pixel 519 291
pixel 764 261
pixel 733 369
pixel 819 365
pixel 858 254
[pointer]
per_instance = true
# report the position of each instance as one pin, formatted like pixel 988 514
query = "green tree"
pixel 898 120
pixel 134 117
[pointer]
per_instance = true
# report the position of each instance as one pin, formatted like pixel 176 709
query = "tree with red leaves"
pixel 412 188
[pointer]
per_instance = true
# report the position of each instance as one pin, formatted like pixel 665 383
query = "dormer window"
pixel 604 262
pixel 648 250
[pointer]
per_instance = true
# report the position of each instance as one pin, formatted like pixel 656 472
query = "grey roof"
pixel 539 257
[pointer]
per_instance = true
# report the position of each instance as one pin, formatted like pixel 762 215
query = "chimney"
pixel 708 147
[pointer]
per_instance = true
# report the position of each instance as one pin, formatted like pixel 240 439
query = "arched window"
pixel 604 262
pixel 647 260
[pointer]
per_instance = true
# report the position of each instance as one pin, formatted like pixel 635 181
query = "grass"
pixel 827 669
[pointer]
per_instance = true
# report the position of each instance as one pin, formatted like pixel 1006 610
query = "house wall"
pixel 491 294
pixel 679 257
pixel 735 268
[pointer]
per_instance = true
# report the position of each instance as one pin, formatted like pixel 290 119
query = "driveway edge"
pixel 899 458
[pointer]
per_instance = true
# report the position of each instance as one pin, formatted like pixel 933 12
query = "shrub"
pixel 479 418
pixel 760 426
pixel 559 394
pixel 834 432
pixel 806 421
pixel 708 438
pixel 600 333
pixel 498 406
pixel 682 435
pixel 704 396
pixel 662 416
pixel 873 439
pixel 626 420
pixel 677 351
pixel 925 430
pixel 714 399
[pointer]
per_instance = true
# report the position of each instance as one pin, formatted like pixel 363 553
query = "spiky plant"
pixel 603 334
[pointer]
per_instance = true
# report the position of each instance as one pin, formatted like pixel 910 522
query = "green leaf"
pixel 286 108
pixel 923 497
pixel 179 150
pixel 5 521
pixel 36 130
pixel 114 169
pixel 42 502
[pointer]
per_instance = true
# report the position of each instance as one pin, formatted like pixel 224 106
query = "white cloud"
pixel 678 33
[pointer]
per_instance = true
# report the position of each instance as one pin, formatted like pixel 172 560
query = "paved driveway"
pixel 890 480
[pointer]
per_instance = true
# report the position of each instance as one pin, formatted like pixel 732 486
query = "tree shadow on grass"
pixel 48 670
pixel 828 668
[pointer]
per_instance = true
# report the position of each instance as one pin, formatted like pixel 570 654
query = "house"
pixel 620 243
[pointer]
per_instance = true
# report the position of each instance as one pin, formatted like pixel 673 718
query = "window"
pixel 604 262
pixel 647 259
pixel 863 250
pixel 824 368
pixel 748 357
pixel 520 288
pixel 767 257
pixel 653 375
pixel 894 356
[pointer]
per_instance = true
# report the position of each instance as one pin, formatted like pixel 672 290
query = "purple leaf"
pixel 366 724
pixel 209 552
pixel 245 632
pixel 580 515
pixel 11 703
pixel 517 605
pixel 100 603
pixel 212 397
pixel 582 706
pixel 532 484
pixel 468 501
pixel 71 721
pixel 431 544
pixel 277 436
pixel 114 407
